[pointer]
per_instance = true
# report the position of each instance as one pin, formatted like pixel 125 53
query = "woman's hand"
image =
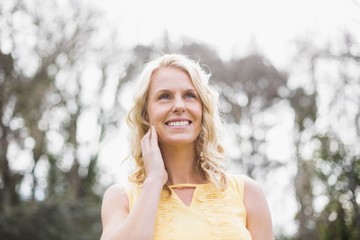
pixel 117 219
pixel 153 161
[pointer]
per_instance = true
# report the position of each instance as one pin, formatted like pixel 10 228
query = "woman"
pixel 179 189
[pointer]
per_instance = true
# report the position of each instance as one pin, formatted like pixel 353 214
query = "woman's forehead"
pixel 170 78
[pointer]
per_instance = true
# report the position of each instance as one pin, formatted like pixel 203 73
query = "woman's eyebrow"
pixel 162 90
pixel 191 90
pixel 166 90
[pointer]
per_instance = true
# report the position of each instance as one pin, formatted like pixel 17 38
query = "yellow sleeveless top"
pixel 211 215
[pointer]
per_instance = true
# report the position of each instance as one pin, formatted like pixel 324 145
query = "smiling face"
pixel 174 106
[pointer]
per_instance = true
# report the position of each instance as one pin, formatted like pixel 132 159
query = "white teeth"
pixel 176 124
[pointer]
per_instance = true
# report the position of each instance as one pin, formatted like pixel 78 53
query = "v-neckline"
pixel 186 185
pixel 183 203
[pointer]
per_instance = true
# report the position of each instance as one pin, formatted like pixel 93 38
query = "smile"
pixel 178 124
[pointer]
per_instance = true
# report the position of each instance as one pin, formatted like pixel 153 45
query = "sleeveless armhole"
pixel 240 185
pixel 237 182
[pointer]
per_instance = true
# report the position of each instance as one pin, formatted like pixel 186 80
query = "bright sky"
pixel 231 27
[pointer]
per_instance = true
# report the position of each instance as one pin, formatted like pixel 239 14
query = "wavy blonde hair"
pixel 208 148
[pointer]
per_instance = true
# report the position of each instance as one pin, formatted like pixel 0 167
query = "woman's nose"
pixel 179 105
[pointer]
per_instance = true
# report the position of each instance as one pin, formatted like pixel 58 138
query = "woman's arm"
pixel 139 224
pixel 257 210
pixel 120 223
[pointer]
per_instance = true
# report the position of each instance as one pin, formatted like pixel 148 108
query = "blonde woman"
pixel 179 189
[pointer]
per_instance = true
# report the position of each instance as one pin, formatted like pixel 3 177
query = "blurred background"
pixel 288 74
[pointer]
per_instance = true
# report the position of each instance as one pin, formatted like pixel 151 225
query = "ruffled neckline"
pixel 185 185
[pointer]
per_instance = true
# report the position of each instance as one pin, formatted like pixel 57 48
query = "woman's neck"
pixel 180 163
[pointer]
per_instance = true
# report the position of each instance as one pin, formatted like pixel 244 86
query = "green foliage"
pixel 337 169
pixel 333 133
pixel 333 223
pixel 68 220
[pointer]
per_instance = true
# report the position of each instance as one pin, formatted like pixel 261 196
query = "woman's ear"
pixel 146 116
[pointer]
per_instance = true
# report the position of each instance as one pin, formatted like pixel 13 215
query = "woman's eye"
pixel 164 96
pixel 190 95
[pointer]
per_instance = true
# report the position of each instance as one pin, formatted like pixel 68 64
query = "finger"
pixel 153 136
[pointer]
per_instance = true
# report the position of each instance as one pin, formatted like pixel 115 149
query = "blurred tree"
pixel 252 90
pixel 327 141
pixel 304 106
pixel 32 44
pixel 55 70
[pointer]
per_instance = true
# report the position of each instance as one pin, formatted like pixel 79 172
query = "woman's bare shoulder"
pixel 253 192
pixel 115 195
pixel 257 210
pixel 116 187
pixel 252 186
